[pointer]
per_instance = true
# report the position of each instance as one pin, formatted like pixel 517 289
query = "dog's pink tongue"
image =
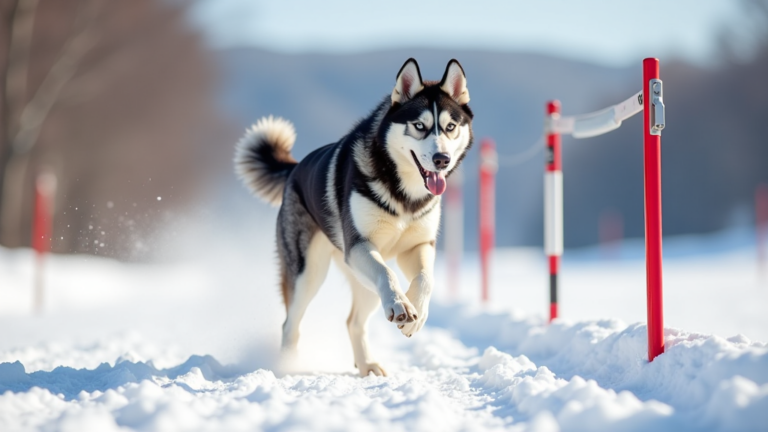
pixel 436 182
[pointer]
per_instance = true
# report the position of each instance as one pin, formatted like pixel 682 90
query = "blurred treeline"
pixel 116 98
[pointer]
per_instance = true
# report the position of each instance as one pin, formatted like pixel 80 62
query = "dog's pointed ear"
pixel 408 82
pixel 454 82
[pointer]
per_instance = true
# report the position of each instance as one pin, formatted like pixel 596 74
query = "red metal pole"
pixel 488 167
pixel 42 227
pixel 652 117
pixel 553 208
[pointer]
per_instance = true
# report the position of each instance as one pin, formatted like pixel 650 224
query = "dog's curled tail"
pixel 263 158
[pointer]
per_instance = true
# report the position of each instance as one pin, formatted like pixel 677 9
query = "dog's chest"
pixel 392 234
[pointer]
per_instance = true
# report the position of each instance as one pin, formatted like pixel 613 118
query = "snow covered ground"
pixel 193 346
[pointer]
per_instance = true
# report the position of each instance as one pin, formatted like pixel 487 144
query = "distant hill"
pixel 714 151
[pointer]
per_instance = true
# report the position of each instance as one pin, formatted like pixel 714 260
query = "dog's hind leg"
pixel 364 302
pixel 299 289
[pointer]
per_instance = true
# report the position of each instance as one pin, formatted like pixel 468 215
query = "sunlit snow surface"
pixel 194 347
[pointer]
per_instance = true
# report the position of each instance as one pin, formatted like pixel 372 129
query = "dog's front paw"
pixel 408 329
pixel 418 294
pixel 399 310
pixel 371 368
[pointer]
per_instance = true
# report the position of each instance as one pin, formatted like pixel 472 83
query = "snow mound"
pixel 596 378
pixel 692 369
pixel 113 351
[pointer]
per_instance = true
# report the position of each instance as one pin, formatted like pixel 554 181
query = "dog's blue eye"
pixel 450 127
pixel 419 126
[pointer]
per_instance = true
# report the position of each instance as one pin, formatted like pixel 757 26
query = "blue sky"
pixel 614 33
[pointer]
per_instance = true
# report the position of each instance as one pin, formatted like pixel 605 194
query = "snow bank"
pixel 688 375
pixel 114 351
pixel 585 376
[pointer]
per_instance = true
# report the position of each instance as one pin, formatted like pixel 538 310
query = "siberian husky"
pixel 372 196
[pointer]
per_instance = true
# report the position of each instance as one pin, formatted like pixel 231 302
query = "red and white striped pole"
pixel 653 123
pixel 553 206
pixel 42 230
pixel 488 167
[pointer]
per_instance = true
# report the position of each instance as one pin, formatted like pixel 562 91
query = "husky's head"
pixel 428 129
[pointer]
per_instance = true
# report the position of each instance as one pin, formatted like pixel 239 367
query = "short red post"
pixel 761 226
pixel 42 227
pixel 553 206
pixel 488 167
pixel 653 123
pixel 454 231
pixel 610 233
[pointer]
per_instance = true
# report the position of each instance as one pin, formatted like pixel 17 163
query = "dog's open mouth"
pixel 433 181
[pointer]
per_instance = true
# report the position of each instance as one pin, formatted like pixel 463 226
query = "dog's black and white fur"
pixel 370 197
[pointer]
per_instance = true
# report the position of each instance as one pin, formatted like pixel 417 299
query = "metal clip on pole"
pixel 657 107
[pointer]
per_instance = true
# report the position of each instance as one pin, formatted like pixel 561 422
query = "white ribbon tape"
pixel 598 122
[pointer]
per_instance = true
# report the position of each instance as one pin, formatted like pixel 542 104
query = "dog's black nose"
pixel 441 160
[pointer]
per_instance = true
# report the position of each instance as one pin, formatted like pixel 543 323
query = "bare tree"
pixel 23 132
pixel 116 97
